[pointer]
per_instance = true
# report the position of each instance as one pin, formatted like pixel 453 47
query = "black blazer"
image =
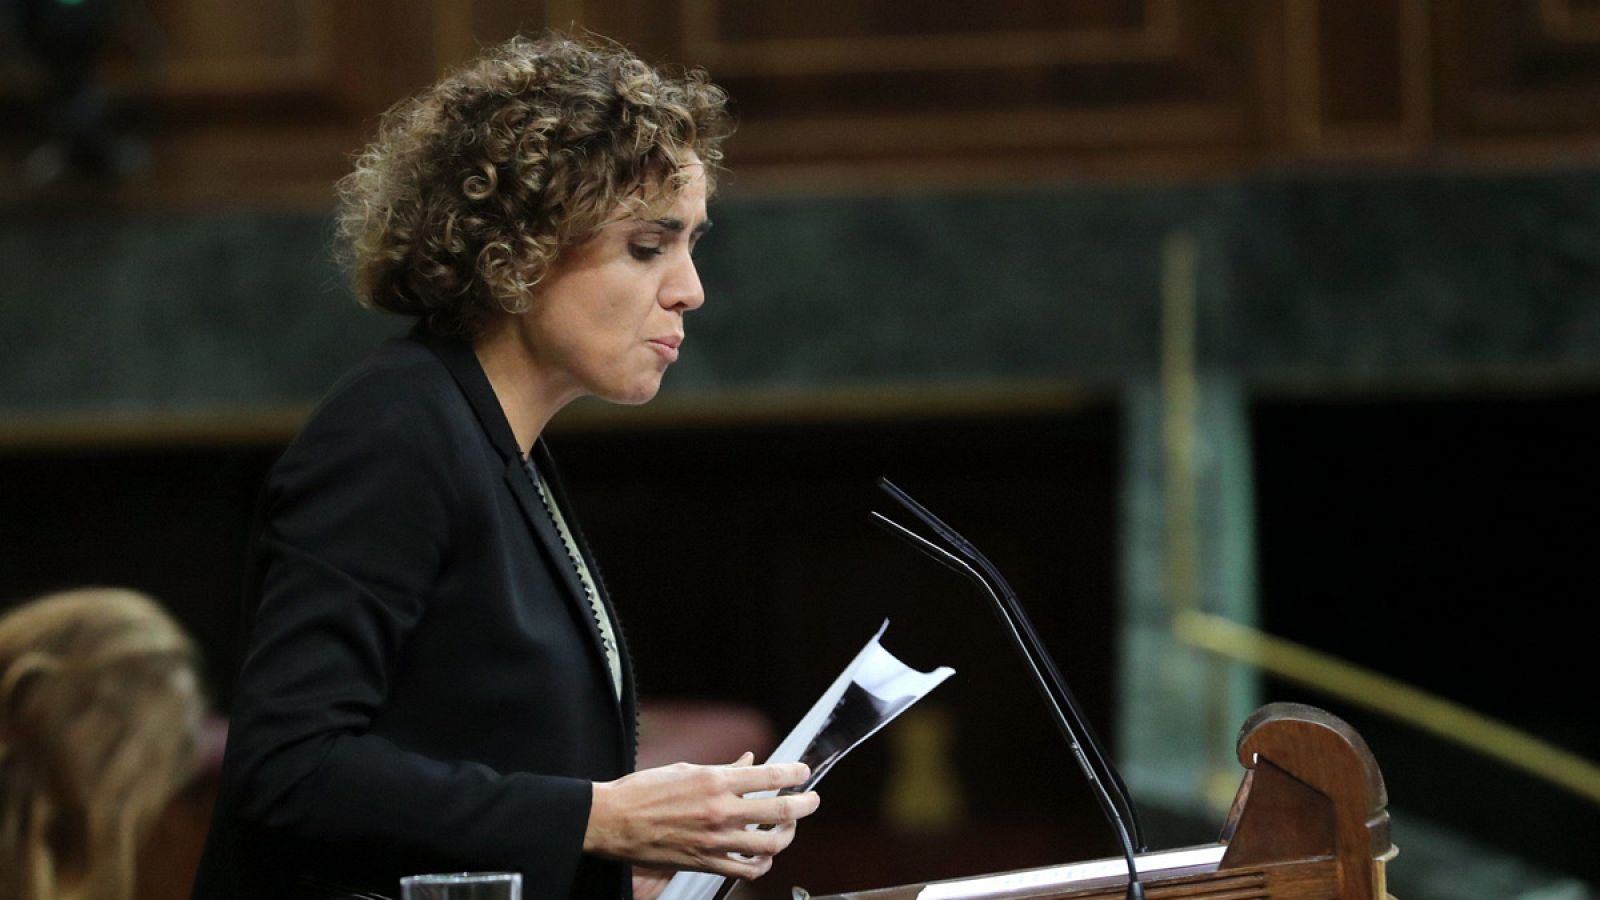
pixel 425 688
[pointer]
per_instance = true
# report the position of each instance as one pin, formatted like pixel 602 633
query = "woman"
pixel 436 679
pixel 99 720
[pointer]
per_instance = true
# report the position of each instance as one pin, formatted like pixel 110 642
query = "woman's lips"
pixel 666 346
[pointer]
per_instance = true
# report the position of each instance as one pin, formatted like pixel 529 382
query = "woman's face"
pixel 607 318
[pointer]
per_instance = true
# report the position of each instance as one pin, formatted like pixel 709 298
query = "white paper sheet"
pixel 1054 877
pixel 871 691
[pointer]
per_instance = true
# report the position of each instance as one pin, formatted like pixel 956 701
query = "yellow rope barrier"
pixel 1393 698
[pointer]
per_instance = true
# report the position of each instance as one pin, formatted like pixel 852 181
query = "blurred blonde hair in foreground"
pixel 99 720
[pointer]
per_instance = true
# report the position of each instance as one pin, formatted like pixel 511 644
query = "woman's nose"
pixel 683 289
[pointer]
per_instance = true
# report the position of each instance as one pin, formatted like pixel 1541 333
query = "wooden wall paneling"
pixel 185 49
pixel 251 106
pixel 464 27
pixel 646 26
pixel 1519 70
pixel 387 49
pixel 1570 20
pixel 265 104
pixel 1358 77
pixel 964 82
pixel 564 14
pixel 836 36
pixel 225 49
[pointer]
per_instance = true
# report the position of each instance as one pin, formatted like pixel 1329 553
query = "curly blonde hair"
pixel 474 187
pixel 99 724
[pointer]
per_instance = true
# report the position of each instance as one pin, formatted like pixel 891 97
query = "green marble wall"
pixel 1385 280
pixel 172 312
pixel 1416 277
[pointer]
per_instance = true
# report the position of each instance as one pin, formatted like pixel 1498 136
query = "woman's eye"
pixel 642 252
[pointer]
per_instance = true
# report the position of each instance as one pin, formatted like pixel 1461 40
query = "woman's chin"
pixel 635 395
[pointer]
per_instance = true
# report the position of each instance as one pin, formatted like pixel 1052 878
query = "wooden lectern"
pixel 1308 823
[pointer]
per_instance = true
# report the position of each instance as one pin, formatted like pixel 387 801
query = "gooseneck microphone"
pixel 964 558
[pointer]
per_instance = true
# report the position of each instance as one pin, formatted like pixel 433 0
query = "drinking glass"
pixel 462 886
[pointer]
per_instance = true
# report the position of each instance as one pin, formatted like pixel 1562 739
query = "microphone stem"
pixel 1009 607
pixel 1101 793
pixel 1016 624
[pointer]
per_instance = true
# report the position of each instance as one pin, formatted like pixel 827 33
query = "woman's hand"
pixel 649 883
pixel 685 816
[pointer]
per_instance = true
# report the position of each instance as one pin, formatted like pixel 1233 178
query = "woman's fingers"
pixel 779 810
pixel 649 883
pixel 753 856
pixel 733 867
pixel 769 777
pixel 756 843
pixel 699 817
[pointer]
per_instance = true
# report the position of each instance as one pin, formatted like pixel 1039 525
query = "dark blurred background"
pixel 1278 314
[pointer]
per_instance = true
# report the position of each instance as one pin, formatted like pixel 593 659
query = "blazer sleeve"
pixel 357 524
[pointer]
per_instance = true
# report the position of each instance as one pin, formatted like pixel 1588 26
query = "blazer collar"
pixel 462 363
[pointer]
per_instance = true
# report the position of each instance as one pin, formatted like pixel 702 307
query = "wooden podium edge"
pixel 1309 822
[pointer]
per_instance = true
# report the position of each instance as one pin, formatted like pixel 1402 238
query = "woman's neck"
pixel 528 397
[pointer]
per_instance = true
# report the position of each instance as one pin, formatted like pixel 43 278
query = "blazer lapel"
pixel 629 702
pixel 463 366
pixel 555 550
